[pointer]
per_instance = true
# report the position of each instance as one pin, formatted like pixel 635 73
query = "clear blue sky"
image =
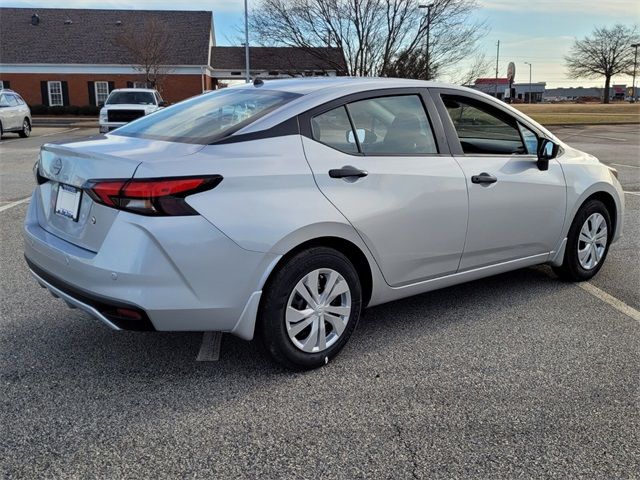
pixel 537 31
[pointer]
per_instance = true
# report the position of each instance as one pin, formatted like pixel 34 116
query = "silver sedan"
pixel 282 209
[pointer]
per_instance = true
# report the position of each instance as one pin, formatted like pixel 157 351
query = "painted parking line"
pixel 623 165
pixel 637 194
pixel 619 305
pixel 59 132
pixel 14 204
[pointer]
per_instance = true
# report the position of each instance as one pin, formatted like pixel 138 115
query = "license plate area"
pixel 68 202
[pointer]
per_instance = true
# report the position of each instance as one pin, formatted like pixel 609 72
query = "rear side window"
pixel 483 129
pixel 392 125
pixel 207 118
pixel 395 125
pixel 334 129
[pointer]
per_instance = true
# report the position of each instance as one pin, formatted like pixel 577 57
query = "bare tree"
pixel 148 46
pixel 377 37
pixel 479 68
pixel 606 53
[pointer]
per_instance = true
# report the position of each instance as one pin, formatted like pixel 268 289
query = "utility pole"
pixel 634 97
pixel 530 85
pixel 428 7
pixel 497 61
pixel 247 76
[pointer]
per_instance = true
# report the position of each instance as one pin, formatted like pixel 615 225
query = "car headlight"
pixel 103 115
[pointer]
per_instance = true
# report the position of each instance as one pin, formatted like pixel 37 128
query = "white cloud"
pixel 609 7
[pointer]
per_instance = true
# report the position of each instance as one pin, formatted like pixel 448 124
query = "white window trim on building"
pixel 101 91
pixel 53 93
pixel 1 84
pixel 140 85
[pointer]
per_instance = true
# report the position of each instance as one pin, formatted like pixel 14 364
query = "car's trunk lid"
pixel 70 166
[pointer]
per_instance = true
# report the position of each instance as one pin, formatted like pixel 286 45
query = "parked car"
pixel 283 209
pixel 15 115
pixel 126 104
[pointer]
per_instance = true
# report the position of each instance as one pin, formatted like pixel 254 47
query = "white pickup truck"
pixel 126 104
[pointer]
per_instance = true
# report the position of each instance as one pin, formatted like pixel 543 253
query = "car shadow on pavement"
pixel 73 343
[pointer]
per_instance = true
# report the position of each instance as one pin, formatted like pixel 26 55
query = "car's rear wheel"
pixel 310 308
pixel 26 128
pixel 587 243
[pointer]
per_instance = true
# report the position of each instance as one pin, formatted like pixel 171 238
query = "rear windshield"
pixel 131 98
pixel 207 118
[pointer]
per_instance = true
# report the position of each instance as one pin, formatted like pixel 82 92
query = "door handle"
pixel 484 178
pixel 347 171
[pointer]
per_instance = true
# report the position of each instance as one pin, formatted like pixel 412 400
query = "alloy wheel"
pixel 592 241
pixel 318 310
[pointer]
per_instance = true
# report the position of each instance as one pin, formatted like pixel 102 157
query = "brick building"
pixel 60 57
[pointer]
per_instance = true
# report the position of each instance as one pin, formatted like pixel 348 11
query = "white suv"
pixel 15 115
pixel 126 104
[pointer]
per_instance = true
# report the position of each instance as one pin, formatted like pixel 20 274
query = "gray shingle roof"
pixel 89 39
pixel 278 58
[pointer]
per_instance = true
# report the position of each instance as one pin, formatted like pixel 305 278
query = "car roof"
pixel 305 86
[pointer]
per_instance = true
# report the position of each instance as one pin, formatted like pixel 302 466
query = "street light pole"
pixel 530 85
pixel 497 62
pixel 634 97
pixel 428 7
pixel 247 75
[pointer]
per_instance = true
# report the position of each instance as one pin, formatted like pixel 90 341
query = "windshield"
pixel 206 118
pixel 131 98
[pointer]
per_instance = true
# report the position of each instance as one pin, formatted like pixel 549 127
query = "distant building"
pixel 60 57
pixel 495 87
pixel 228 63
pixel 572 94
pixel 520 92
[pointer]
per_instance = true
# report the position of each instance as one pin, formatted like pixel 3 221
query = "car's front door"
pixel 516 210
pixel 384 163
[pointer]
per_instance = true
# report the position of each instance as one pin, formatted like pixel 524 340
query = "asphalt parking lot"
pixel 516 376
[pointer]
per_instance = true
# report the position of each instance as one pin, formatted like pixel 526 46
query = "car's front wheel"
pixel 26 128
pixel 310 308
pixel 587 243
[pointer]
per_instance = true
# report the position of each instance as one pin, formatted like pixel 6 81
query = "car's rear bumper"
pixel 178 273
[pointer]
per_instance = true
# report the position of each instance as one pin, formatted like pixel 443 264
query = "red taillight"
pixel 153 196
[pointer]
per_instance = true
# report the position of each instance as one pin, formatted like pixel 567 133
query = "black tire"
pixel 26 128
pixel 272 325
pixel 571 270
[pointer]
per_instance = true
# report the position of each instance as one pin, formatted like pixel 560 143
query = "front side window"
pixel 55 94
pixel 206 118
pixel 130 97
pixel 102 92
pixel 12 100
pixel 393 125
pixel 334 129
pixel 530 140
pixel 3 101
pixel 483 129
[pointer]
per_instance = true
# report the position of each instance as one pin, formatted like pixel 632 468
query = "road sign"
pixel 511 71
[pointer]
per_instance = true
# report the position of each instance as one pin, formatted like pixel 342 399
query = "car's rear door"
pixel 382 159
pixel 516 210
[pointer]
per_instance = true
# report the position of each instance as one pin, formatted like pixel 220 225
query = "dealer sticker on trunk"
pixel 68 202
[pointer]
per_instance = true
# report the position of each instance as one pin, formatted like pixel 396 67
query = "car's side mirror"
pixel 100 104
pixel 547 150
pixel 162 103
